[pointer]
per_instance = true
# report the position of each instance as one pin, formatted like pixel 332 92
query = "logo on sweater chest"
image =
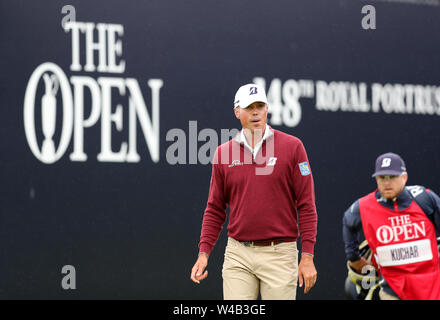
pixel 270 163
pixel 235 163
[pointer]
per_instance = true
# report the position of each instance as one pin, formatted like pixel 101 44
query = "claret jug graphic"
pixel 48 115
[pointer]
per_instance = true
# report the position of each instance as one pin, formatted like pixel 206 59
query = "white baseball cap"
pixel 248 94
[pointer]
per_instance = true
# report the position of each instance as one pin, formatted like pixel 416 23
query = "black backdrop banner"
pixel 111 110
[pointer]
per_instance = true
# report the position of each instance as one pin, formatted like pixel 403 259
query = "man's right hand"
pixel 358 265
pixel 198 272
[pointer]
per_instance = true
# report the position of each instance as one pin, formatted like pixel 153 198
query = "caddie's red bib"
pixel 405 248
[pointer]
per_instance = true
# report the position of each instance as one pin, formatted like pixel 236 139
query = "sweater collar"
pixel 241 139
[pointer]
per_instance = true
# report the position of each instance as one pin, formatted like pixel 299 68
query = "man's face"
pixel 391 186
pixel 254 117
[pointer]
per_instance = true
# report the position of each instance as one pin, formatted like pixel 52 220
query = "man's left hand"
pixel 306 272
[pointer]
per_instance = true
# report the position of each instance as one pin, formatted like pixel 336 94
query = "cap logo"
pixel 253 90
pixel 386 162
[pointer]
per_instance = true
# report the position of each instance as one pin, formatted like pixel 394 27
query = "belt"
pixel 261 243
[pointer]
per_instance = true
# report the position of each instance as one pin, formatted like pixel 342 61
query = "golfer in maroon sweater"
pixel 264 176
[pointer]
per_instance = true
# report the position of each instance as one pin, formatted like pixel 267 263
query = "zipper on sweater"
pixel 396 207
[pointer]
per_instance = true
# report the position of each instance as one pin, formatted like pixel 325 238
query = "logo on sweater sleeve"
pixel 304 168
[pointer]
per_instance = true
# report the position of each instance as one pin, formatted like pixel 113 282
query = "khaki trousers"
pixel 271 271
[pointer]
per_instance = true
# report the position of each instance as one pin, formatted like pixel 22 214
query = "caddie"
pixel 400 224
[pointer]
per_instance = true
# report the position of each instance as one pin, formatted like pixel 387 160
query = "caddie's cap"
pixel 249 94
pixel 389 164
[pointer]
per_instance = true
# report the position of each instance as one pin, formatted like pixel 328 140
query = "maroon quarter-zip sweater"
pixel 266 195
